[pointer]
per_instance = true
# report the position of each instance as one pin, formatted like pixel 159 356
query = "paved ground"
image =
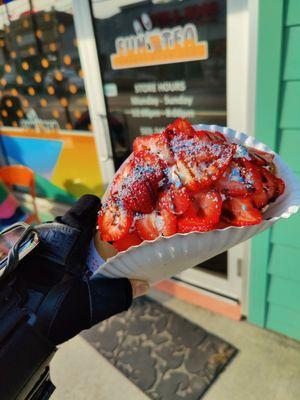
pixel 267 366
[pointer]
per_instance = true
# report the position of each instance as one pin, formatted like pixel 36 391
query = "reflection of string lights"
pixel 85 102
pixel 2 43
pixel 61 29
pixel 90 127
pixel 80 73
pixel 73 88
pixel 67 59
pixel 25 65
pixel 52 47
pixel 3 82
pixel 19 39
pixel 25 103
pixel 1 123
pixel 69 126
pixel 31 51
pixel 77 114
pixel 19 80
pixel 14 92
pixel 4 113
pixel 20 114
pixel 9 103
pixel 13 54
pixel 47 17
pixel 50 90
pixel 31 91
pixel 15 124
pixel 55 113
pixel 38 77
pixel 38 34
pixel 58 76
pixel 26 23
pixel 7 68
pixel 63 102
pixel 43 102
pixel 44 63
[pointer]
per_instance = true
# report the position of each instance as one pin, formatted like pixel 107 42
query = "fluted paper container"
pixel 165 257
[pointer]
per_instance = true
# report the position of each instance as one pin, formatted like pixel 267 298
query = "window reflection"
pixel 40 74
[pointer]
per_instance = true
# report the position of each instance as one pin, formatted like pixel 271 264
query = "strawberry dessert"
pixel 183 180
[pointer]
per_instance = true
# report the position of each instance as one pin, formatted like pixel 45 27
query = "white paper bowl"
pixel 165 257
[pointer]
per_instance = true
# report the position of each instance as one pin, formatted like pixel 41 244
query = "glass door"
pixel 161 60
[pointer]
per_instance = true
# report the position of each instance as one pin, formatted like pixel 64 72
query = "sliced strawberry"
pixel 139 196
pixel 187 177
pixel 174 199
pixel 119 179
pixel 114 221
pixel 188 224
pixel 181 127
pixel 146 226
pixel 269 182
pixel 149 165
pixel 239 211
pixel 213 136
pixel 260 157
pixel 131 239
pixel 261 199
pixel 157 144
pixel 169 223
pixel 209 206
pixel 241 178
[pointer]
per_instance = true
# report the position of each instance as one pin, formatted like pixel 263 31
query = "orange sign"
pixel 156 47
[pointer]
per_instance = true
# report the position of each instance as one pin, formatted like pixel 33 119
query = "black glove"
pixel 54 283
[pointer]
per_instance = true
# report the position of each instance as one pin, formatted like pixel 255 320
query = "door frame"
pixel 241 78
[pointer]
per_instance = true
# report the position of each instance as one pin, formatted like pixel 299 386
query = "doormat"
pixel 165 355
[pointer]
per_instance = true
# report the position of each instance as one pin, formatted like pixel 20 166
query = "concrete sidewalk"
pixel 267 366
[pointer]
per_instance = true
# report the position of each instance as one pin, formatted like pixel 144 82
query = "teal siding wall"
pixel 275 270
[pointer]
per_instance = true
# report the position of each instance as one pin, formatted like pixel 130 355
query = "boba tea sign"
pixel 159 46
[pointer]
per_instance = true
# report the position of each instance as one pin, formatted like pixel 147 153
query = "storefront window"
pixel 41 80
pixel 44 114
pixel 161 60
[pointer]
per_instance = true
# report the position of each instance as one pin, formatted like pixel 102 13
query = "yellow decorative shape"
pixel 19 80
pixel 52 47
pixel 47 17
pixel 20 114
pixel 7 68
pixel 31 51
pixel 38 77
pixel 77 114
pixel 14 92
pixel 80 73
pixel 2 43
pixel 64 102
pixel 61 28
pixel 19 39
pixel 38 34
pixel 15 124
pixel 50 90
pixel 67 59
pixel 55 113
pixel 3 82
pixel 25 103
pixel 58 76
pixel 4 113
pixel 69 126
pixel 25 65
pixel 9 103
pixel 31 91
pixel 73 88
pixel 44 63
pixel 43 102
pixel 26 23
pixel 13 54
